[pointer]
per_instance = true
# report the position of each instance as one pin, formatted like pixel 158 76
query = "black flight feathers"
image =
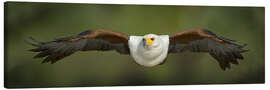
pixel 57 49
pixel 225 53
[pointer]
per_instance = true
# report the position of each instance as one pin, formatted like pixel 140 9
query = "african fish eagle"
pixel 148 50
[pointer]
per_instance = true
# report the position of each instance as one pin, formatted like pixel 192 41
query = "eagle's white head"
pixel 151 41
pixel 149 50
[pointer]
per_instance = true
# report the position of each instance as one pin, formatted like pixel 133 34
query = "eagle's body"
pixel 148 50
pixel 149 56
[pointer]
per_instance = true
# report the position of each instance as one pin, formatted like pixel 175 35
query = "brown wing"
pixel 100 40
pixel 202 40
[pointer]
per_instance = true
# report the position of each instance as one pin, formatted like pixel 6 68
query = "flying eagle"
pixel 148 50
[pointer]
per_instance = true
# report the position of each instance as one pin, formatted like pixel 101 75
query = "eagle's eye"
pixel 152 39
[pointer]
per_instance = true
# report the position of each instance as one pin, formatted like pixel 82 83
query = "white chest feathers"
pixel 150 56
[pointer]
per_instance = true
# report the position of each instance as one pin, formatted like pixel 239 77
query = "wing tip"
pixel 32 44
pixel 226 67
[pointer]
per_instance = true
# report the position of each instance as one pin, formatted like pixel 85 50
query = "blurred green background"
pixel 47 21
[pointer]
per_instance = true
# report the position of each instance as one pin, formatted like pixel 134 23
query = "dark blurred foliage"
pixel 47 21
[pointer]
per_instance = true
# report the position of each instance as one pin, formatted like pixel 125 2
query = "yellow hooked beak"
pixel 149 41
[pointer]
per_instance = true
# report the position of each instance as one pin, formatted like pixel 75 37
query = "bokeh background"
pixel 47 21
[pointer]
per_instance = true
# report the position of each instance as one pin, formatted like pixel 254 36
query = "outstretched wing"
pixel 201 40
pixel 100 40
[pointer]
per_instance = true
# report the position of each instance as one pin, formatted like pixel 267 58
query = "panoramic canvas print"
pixel 84 45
